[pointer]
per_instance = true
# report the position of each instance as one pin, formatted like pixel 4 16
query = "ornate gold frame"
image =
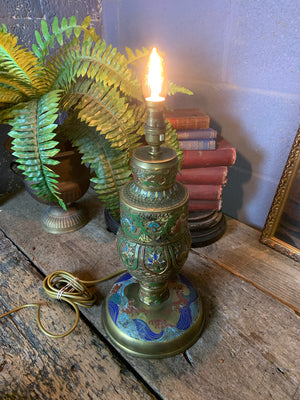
pixel 279 201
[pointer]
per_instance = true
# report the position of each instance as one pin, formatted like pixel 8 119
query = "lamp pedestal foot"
pixel 153 331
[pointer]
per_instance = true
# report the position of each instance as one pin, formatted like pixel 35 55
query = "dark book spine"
pixel 203 176
pixel 200 144
pixel 202 205
pixel 197 134
pixel 204 192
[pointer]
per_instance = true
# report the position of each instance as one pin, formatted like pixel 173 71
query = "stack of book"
pixel 206 158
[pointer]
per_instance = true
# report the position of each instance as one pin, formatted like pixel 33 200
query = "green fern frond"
pixel 107 111
pixel 60 71
pixel 171 140
pixel 10 95
pixel 20 62
pixel 5 113
pixel 111 166
pixel 33 133
pixel 9 80
pixel 68 29
pixel 138 55
pixel 97 61
pixel 8 112
pixel 3 28
pixel 173 88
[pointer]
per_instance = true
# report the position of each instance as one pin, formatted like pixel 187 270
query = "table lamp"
pixel 152 311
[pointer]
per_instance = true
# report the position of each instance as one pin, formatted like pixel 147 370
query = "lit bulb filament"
pixel 155 77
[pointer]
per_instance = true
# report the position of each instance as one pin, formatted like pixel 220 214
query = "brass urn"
pixel 73 183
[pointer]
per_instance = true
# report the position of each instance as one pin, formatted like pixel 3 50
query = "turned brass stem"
pixel 152 294
pixel 155 127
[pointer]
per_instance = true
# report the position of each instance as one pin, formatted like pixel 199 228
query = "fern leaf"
pixel 111 166
pixel 104 109
pixel 33 133
pixel 45 31
pixel 171 140
pixel 96 61
pixel 8 80
pixel 42 48
pixel 9 95
pixel 21 63
pixel 139 55
pixel 3 28
pixel 173 88
pixel 8 112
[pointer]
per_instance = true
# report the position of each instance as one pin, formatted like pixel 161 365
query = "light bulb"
pixel 155 83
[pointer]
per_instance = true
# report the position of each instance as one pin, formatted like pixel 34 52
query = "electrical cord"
pixel 63 285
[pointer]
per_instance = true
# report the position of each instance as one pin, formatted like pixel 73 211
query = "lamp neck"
pixel 155 127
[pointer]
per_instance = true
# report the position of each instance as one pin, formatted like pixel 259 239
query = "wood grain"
pixel 34 366
pixel 249 348
pixel 240 252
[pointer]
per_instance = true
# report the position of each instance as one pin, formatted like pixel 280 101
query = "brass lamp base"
pixel 155 331
pixel 56 220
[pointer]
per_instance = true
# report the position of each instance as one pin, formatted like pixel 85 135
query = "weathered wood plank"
pixel 34 366
pixel 249 348
pixel 240 252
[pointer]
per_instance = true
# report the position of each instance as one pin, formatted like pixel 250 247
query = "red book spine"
pixel 188 118
pixel 203 176
pixel 202 205
pixel 187 123
pixel 204 192
pixel 225 154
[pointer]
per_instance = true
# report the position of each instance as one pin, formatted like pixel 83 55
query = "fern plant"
pixel 71 69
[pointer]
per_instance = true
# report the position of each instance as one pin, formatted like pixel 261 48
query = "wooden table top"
pixel 249 348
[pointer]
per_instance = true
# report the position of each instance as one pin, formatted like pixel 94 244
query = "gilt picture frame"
pixel 282 227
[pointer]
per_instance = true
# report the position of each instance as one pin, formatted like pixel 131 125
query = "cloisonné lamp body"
pixel 153 311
